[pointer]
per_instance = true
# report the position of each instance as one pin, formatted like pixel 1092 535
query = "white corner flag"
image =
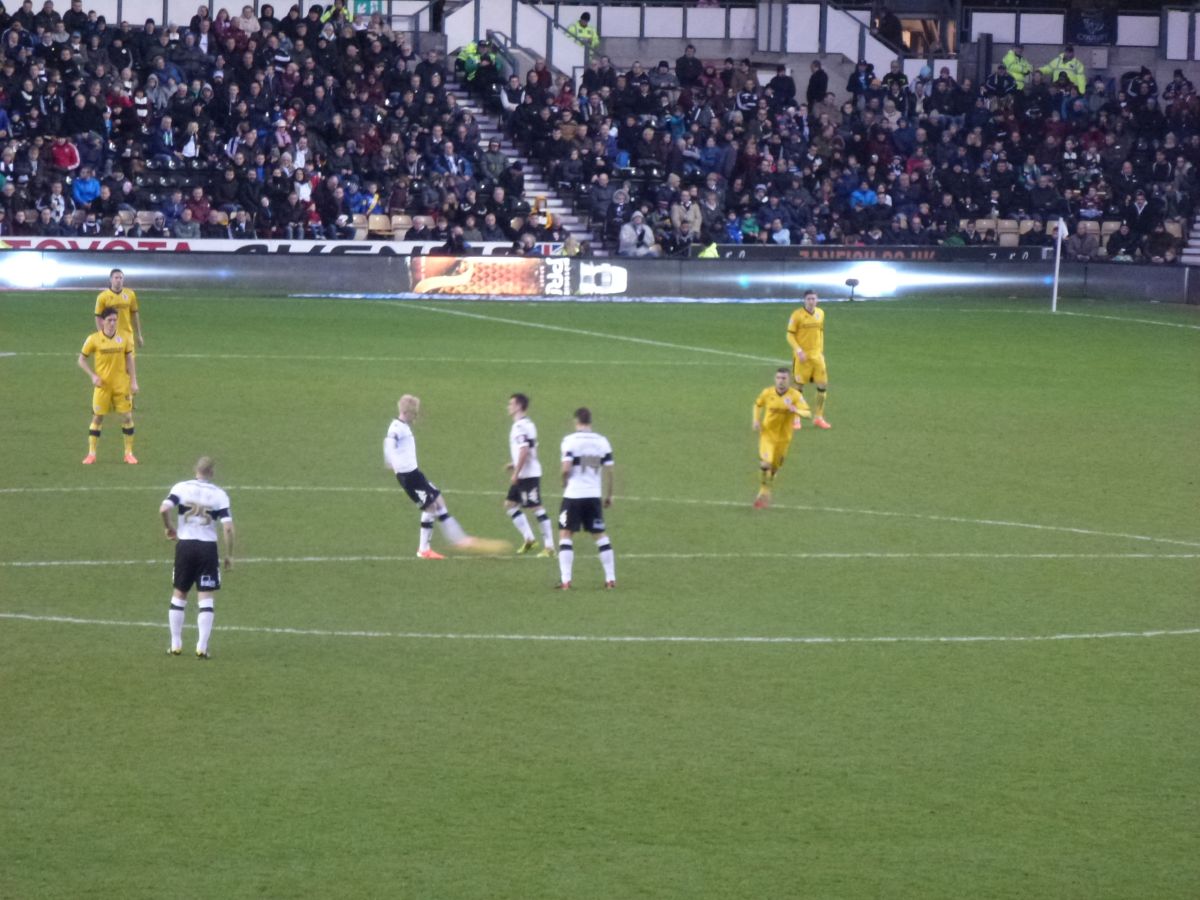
pixel 1060 234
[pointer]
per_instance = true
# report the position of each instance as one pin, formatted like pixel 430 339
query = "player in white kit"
pixel 400 453
pixel 198 504
pixel 525 482
pixel 587 471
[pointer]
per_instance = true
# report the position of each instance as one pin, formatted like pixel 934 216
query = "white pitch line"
pixel 586 333
pixel 639 639
pixel 840 510
pixel 832 555
pixel 300 357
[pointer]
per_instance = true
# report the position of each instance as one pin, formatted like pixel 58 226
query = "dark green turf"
pixel 333 765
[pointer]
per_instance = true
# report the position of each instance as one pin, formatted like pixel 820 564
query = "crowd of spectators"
pixel 665 157
pixel 254 126
pixel 240 127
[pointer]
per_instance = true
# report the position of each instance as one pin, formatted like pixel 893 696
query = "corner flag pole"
pixel 1060 231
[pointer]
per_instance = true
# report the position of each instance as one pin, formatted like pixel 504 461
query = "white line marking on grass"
pixel 637 639
pixel 412 558
pixel 586 333
pixel 1041 312
pixel 300 357
pixel 737 504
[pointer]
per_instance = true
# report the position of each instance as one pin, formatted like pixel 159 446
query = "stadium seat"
pixel 1109 227
pixel 400 225
pixel 1009 239
pixel 1174 229
pixel 1008 226
pixel 379 225
pixel 145 217
pixel 126 217
pixel 1092 227
pixel 985 225
pixel 359 222
pixel 1026 226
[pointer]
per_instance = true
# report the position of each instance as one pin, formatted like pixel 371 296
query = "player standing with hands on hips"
pixel 198 504
pixel 587 471
pixel 806 335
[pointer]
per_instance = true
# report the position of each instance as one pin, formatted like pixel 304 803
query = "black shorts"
pixel 527 492
pixel 419 489
pixel 196 563
pixel 582 514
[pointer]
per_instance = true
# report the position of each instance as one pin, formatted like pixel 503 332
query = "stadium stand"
pixel 321 125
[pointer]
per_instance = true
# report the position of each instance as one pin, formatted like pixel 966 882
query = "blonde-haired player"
pixel 400 454
pixel 124 301
pixel 198 505
pixel 806 335
pixel 773 413
pixel 114 381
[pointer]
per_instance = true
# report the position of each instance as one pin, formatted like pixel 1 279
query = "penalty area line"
pixel 818 640
pixel 583 332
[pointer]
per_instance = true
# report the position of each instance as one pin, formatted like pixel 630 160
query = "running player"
pixel 774 410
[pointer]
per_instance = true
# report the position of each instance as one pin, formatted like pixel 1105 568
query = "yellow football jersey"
pixel 777 417
pixel 109 353
pixel 807 331
pixel 125 303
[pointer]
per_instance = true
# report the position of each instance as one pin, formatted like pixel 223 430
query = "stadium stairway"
pixel 1191 250
pixel 537 185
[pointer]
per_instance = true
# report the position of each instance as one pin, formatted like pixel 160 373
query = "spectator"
pixel 1123 245
pixel 1082 245
pixel 688 68
pixel 818 84
pixel 636 238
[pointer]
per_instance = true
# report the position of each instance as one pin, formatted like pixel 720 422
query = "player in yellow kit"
pixel 774 411
pixel 806 335
pixel 124 301
pixel 114 381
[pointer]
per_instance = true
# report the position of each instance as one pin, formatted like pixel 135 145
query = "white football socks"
pixel 547 533
pixel 175 620
pixel 566 557
pixel 521 523
pixel 426 531
pixel 607 559
pixel 451 529
pixel 204 620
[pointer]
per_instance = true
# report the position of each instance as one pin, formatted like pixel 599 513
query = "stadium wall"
pixel 613 280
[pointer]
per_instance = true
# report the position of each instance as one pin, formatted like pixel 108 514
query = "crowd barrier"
pixel 617 279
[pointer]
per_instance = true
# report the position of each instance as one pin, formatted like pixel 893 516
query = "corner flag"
pixel 1060 234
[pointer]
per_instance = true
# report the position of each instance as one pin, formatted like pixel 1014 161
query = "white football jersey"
pixel 587 452
pixel 524 434
pixel 199 505
pixel 400 448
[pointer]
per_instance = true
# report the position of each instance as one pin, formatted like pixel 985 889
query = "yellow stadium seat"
pixel 379 225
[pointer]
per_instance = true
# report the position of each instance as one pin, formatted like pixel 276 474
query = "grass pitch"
pixel 764 708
